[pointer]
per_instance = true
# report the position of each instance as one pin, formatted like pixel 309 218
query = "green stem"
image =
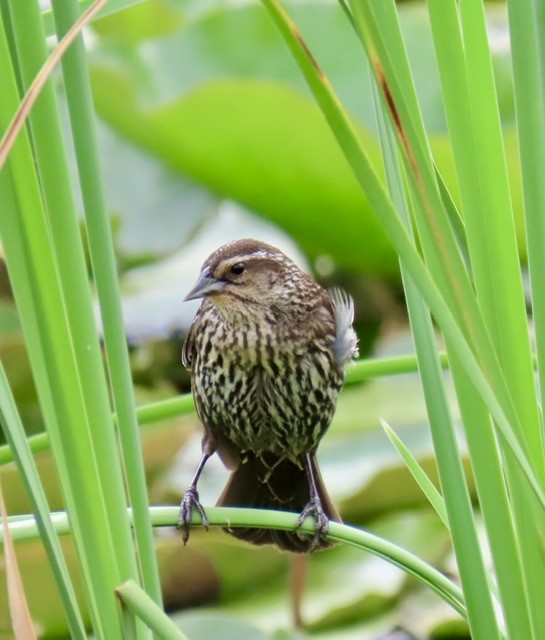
pixel 134 599
pixel 232 517
pixel 182 405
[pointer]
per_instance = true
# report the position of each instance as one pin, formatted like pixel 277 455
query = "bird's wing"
pixel 187 349
pixel 345 345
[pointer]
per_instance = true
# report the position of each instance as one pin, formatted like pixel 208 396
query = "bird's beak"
pixel 205 285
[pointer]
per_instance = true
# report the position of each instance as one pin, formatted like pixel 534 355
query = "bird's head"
pixel 246 272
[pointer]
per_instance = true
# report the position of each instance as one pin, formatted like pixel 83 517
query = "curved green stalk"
pixel 232 517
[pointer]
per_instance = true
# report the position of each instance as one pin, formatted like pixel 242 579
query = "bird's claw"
pixel 190 501
pixel 314 510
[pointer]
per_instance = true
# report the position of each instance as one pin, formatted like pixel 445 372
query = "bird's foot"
pixel 314 510
pixel 190 501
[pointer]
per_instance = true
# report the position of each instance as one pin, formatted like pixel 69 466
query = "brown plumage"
pixel 267 350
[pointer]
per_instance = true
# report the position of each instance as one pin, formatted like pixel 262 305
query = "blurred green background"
pixel 208 134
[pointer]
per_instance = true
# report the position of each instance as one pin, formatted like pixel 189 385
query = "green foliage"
pixel 200 97
pixel 397 137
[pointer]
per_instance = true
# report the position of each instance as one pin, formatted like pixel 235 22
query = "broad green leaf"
pixel 140 189
pixel 296 174
pixel 111 7
pixel 197 100
pixel 208 626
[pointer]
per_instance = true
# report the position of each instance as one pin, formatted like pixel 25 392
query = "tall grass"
pixel 46 263
pixel 476 297
pixel 461 269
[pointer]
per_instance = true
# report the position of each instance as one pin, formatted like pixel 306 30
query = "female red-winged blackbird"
pixel 268 350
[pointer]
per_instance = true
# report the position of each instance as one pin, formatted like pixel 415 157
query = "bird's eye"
pixel 238 269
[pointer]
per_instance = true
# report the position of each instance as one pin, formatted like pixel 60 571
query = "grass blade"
pixel 472 113
pixel 15 436
pixel 527 31
pixel 82 118
pixel 498 403
pixel 418 473
pixel 89 377
pixel 21 621
pixel 21 113
pixel 458 515
pixel 51 318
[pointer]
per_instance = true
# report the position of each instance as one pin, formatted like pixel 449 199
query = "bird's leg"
pixel 191 501
pixel 314 508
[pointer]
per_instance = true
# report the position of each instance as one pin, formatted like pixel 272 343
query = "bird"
pixel 268 351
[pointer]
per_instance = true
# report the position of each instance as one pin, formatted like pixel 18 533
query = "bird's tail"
pixel 278 485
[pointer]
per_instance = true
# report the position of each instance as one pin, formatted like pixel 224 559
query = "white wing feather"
pixel 345 345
